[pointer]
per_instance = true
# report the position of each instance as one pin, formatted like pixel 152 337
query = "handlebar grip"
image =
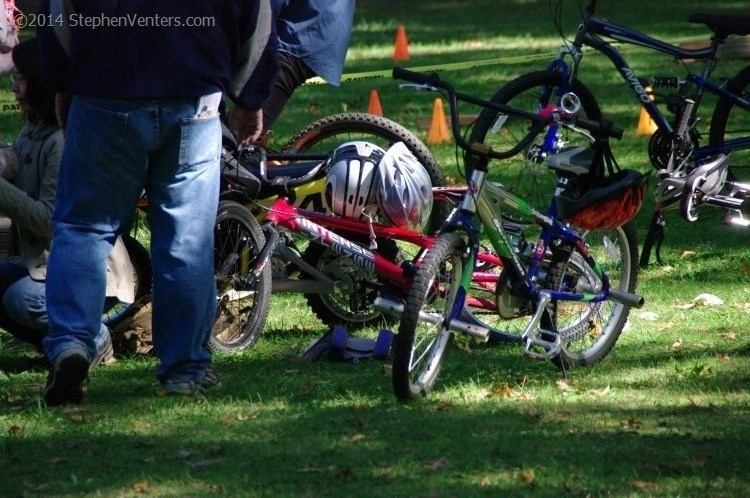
pixel 603 127
pixel 399 73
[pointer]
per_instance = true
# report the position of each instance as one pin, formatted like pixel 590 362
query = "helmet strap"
pixel 373 241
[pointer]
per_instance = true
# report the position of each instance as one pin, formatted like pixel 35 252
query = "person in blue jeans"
pixel 140 106
pixel 313 40
pixel 27 196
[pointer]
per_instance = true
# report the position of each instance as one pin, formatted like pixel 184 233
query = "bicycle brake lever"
pixel 581 131
pixel 418 87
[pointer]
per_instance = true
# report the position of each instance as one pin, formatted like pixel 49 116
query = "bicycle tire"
pixel 529 179
pixel 115 312
pixel 727 125
pixel 241 312
pixel 353 309
pixel 327 133
pixel 590 330
pixel 412 378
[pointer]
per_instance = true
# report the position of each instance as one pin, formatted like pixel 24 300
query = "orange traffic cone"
pixel 439 126
pixel 646 125
pixel 401 45
pixel 374 107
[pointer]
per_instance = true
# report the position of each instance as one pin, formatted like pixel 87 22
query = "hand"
pixel 62 107
pixel 245 125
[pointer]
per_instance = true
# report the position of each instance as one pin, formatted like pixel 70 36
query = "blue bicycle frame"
pixel 589 34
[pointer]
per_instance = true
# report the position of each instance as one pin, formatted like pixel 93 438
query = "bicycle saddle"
pixel 723 25
pixel 243 175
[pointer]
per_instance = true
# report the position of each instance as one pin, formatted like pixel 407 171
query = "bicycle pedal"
pixel 538 345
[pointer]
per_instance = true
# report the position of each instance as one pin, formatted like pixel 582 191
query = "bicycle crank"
pixel 456 326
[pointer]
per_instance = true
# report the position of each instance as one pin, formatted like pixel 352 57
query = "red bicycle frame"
pixel 326 229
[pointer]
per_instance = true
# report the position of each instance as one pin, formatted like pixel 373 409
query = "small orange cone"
pixel 646 125
pixel 375 104
pixel 439 126
pixel 401 45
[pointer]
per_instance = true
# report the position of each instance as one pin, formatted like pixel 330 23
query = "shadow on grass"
pixel 332 429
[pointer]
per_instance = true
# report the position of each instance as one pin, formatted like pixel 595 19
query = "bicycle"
pixel 674 149
pixel 575 312
pixel 339 274
pixel 239 315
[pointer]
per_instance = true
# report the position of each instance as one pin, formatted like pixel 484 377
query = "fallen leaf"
pixel 688 254
pixel 435 464
pixel 677 344
pixel 665 326
pixel 722 357
pixel 78 418
pixel 140 424
pixel 563 385
pixel 745 267
pixel 355 438
pixel 603 391
pixel 646 486
pixel 502 390
pixel 527 476
pixel 15 431
pixel 140 487
pixel 464 346
pixel 446 404
pixel 632 425
pixel 388 370
pixel 708 300
pixel 729 335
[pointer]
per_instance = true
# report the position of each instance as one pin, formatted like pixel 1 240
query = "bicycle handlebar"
pixel 603 128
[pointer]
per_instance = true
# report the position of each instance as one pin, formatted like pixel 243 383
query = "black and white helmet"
pixel 350 178
pixel 404 190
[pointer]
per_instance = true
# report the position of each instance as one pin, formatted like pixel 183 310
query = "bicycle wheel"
pixel 327 133
pixel 529 178
pixel 420 347
pixel 590 330
pixel 241 309
pixel 115 311
pixel 354 308
pixel 731 122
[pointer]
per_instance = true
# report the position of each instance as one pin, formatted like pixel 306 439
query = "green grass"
pixel 666 414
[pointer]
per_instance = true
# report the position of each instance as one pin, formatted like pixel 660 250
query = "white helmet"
pixel 350 176
pixel 404 193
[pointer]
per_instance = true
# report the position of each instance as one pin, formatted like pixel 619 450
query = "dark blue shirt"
pixel 158 49
pixel 317 32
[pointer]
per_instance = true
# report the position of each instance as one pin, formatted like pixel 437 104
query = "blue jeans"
pixel 23 308
pixel 113 150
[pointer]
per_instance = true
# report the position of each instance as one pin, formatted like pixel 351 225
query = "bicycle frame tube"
pixel 631 79
pixel 609 29
pixel 284 214
pixel 550 228
pixel 596 26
